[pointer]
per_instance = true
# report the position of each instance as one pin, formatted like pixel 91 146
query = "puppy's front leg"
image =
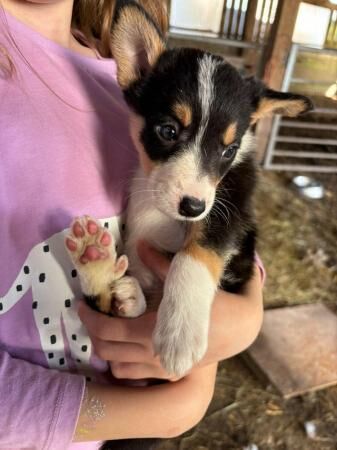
pixel 181 333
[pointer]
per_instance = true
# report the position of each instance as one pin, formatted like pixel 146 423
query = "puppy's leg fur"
pixel 181 334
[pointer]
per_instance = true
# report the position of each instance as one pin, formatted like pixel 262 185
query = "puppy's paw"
pixel 89 242
pixel 180 339
pixel 92 250
pixel 129 300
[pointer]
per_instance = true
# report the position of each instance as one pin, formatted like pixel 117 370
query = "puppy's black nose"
pixel 191 207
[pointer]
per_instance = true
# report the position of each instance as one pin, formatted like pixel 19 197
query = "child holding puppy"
pixel 65 151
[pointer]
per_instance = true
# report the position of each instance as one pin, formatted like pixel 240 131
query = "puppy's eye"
pixel 230 151
pixel 167 132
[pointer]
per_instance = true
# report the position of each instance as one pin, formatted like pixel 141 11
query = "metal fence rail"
pixel 311 156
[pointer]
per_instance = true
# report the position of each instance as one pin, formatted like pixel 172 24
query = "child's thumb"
pixel 158 263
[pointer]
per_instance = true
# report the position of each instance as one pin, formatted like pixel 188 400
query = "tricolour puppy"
pixel 190 117
pixel 190 114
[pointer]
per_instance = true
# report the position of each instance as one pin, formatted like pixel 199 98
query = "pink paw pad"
pixel 92 227
pixel 71 245
pixel 78 230
pixel 92 253
pixel 106 239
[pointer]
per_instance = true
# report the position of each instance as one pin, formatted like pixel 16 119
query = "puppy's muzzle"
pixel 191 207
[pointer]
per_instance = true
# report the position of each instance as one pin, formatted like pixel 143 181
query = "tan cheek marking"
pixel 291 108
pixel 229 135
pixel 146 162
pixel 209 258
pixel 136 126
pixel 184 113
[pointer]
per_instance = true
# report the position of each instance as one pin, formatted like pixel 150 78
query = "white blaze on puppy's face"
pixel 207 67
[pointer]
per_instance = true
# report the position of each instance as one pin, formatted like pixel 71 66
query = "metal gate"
pixel 306 157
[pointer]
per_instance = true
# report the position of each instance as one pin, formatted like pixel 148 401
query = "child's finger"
pixel 158 263
pixel 116 329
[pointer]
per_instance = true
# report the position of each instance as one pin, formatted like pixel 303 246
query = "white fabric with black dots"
pixel 49 273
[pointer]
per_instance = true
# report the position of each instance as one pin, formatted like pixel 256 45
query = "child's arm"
pixel 38 406
pixel 164 411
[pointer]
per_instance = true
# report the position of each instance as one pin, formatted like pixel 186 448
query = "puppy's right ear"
pixel 137 41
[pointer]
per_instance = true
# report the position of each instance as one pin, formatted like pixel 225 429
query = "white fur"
pixel 129 297
pixel 247 144
pixel 146 222
pixel 181 334
pixel 177 178
pixel 207 69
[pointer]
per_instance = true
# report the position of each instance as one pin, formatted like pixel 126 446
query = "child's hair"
pixel 92 19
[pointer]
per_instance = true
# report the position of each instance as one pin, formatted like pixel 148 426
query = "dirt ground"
pixel 297 243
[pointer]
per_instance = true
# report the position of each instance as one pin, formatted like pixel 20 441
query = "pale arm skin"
pixel 162 411
pixel 169 409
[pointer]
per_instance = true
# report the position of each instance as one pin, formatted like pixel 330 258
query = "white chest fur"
pixel 146 222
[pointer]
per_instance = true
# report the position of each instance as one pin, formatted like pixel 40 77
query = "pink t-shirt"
pixel 65 151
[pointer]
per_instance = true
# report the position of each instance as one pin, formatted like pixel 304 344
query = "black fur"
pixel 131 444
pixel 92 301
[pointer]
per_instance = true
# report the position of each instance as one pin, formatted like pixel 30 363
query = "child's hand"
pixel 127 343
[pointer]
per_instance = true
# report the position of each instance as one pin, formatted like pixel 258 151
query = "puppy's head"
pixel 191 112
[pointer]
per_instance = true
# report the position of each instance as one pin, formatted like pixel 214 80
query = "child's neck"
pixel 52 20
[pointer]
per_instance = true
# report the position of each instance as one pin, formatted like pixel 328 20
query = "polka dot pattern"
pixel 42 277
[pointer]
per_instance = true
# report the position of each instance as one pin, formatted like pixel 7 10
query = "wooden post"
pixel 324 3
pixel 279 43
pixel 274 60
pixel 250 55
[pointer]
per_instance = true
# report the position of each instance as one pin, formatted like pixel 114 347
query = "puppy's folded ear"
pixel 266 101
pixel 138 38
pixel 157 10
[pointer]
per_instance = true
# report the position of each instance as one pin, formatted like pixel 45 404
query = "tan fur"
pixel 208 257
pixel 291 108
pixel 229 135
pixel 158 11
pixel 146 162
pixel 136 127
pixel 183 111
pixel 133 37
pixel 105 302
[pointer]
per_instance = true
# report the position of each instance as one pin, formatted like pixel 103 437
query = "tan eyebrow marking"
pixel 229 134
pixel 183 111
